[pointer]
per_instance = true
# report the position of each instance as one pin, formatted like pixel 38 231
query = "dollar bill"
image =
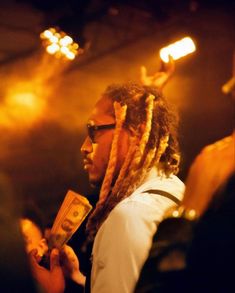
pixel 71 214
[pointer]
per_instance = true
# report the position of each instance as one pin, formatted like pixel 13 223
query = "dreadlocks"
pixel 143 111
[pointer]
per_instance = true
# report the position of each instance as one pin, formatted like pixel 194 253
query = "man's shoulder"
pixel 146 196
pixel 135 204
pixel 168 184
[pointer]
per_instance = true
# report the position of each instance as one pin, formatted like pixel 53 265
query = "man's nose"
pixel 86 147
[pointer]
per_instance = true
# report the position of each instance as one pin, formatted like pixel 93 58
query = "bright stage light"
pixel 178 49
pixel 70 55
pixel 46 34
pixel 59 44
pixel 54 39
pixel 65 41
pixel 52 49
pixel 64 50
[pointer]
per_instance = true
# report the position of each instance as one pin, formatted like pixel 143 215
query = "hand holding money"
pixel 70 265
pixel 71 214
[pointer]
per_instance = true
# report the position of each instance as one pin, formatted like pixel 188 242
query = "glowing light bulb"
pixel 64 50
pixel 65 41
pixel 175 214
pixel 178 49
pixel 52 29
pixel 46 34
pixel 59 44
pixel 75 46
pixel 70 55
pixel 53 48
pixel 54 39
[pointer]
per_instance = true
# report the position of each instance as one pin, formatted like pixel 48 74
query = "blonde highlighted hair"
pixel 144 112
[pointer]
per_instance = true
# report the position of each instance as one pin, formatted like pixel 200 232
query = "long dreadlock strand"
pixel 135 165
pixel 153 156
pixel 175 165
pixel 93 223
pixel 144 170
pixel 125 166
pixel 145 136
pixel 161 149
pixel 120 114
pixel 149 158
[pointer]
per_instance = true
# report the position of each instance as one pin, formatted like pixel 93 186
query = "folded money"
pixel 71 214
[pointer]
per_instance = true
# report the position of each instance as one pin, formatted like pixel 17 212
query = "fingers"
pixel 34 256
pixel 208 172
pixel 143 75
pixel 168 67
pixel 161 77
pixel 69 256
pixel 71 265
pixel 36 269
pixel 143 71
pixel 42 247
pixel 54 259
pixel 47 233
pixel 67 249
pixel 70 262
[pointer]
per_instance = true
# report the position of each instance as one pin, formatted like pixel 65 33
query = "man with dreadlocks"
pixel 131 152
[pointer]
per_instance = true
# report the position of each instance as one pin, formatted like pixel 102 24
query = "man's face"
pixel 96 149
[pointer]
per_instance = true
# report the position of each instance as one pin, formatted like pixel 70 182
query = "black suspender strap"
pixel 165 194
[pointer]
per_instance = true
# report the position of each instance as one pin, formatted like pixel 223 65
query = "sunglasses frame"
pixel 91 128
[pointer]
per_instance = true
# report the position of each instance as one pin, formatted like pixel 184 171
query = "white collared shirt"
pixel 122 243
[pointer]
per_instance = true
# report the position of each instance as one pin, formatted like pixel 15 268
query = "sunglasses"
pixel 91 129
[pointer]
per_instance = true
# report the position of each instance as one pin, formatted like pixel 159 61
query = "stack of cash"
pixel 71 214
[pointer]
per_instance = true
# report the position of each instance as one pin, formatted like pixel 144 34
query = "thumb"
pixel 54 259
pixel 33 257
pixel 143 71
pixel 170 66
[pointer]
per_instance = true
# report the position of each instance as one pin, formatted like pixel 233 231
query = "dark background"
pixel 41 153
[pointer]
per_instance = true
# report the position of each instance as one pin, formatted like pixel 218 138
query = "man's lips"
pixel 87 163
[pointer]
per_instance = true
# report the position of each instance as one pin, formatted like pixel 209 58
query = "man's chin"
pixel 95 183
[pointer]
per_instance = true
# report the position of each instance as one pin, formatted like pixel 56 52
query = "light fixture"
pixel 59 44
pixel 178 49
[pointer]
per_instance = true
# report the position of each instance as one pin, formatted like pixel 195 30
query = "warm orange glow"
pixel 21 108
pixel 25 100
pixel 59 44
pixel 229 86
pixel 25 97
pixel 75 46
pixel 178 49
